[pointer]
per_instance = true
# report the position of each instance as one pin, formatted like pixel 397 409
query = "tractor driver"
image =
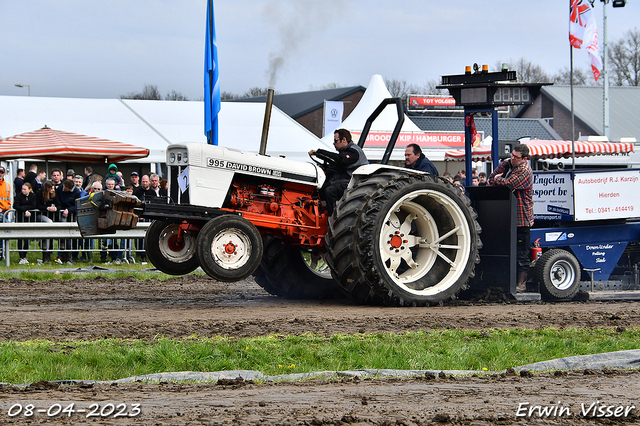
pixel 340 166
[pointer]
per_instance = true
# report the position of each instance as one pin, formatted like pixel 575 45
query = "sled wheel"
pixel 229 248
pixel 558 273
pixel 292 273
pixel 170 250
pixel 400 238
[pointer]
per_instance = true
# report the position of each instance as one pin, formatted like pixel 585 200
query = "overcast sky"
pixel 103 49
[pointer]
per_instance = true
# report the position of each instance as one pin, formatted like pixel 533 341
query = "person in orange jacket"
pixel 5 202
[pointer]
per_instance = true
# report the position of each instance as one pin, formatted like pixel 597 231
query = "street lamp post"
pixel 27 86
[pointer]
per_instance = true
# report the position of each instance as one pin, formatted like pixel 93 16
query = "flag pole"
pixel 573 121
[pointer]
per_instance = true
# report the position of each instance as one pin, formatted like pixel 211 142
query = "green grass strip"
pixel 31 361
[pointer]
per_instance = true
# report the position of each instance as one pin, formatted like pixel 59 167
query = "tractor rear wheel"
pixel 170 250
pixel 289 272
pixel 400 238
pixel 229 248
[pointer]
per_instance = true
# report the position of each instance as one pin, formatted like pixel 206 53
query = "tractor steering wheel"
pixel 324 163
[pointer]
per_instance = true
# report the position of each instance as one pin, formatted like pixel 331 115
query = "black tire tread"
pixel 541 272
pixel 282 273
pixel 350 238
pixel 154 255
pixel 206 259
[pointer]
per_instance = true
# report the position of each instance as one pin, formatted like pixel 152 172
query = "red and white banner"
pixel 429 140
pixel 432 102
pixel 583 33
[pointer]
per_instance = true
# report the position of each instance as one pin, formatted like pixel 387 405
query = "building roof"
pixel 624 107
pixel 298 104
pixel 508 128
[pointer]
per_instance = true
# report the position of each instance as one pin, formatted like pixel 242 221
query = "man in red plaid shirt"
pixel 516 174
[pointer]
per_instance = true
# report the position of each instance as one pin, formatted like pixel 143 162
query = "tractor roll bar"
pixel 396 130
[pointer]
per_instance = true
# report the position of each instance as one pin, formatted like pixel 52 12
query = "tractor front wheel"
pixel 229 248
pixel 170 249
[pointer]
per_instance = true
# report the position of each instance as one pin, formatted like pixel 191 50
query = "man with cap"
pixel 134 180
pixel 5 201
pixel 71 174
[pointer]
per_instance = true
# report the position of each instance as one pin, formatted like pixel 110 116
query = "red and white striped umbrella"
pixel 49 144
pixel 544 149
pixel 562 149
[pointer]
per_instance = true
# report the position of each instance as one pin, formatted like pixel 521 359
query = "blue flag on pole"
pixel 211 83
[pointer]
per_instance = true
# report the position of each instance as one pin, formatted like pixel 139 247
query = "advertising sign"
pixel 600 257
pixel 429 140
pixel 552 196
pixel 432 102
pixel 609 194
pixel 333 111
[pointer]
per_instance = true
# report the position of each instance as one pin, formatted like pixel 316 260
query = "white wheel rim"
pixel 396 242
pixel 231 249
pixel 562 275
pixel 174 252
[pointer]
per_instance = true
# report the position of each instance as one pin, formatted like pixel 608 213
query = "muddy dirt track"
pixel 181 307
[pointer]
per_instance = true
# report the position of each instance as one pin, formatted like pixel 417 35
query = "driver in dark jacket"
pixel 340 166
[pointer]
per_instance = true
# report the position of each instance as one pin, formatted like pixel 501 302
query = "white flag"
pixel 333 111
pixel 583 33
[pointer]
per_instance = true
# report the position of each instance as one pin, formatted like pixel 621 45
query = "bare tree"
pixel 149 92
pixel 526 70
pixel 580 77
pixel 397 88
pixel 624 59
pixel 175 96
pixel 255 91
pixel 226 96
pixel 326 86
pixel 430 89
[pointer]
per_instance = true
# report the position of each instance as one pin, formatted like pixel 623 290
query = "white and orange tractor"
pixel 397 237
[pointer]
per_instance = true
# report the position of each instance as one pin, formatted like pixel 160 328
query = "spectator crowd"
pixel 38 198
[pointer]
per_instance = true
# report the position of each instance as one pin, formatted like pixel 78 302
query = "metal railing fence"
pixel 65 237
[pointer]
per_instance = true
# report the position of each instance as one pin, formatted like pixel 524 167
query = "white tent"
pixel 103 118
pixel 376 92
pixel 240 126
pixel 157 124
pixel 385 123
